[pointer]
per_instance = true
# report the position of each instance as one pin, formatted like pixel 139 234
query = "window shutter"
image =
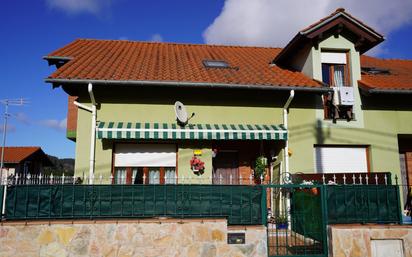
pixel 340 159
pixel 145 155
pixel 333 58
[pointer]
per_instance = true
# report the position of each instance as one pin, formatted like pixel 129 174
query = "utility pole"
pixel 7 103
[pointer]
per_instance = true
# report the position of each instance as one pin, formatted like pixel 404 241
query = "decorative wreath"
pixel 197 165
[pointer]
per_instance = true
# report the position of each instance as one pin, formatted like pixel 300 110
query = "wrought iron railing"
pixel 346 178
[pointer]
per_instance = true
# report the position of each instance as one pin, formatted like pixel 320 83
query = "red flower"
pixel 196 164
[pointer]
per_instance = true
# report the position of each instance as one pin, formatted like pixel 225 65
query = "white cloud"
pixel 59 125
pixel 274 23
pixel 22 117
pixel 80 6
pixel 156 38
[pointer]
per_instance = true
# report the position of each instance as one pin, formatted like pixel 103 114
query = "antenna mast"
pixel 7 103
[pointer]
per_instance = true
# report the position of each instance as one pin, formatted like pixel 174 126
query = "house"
pixel 318 105
pixel 24 160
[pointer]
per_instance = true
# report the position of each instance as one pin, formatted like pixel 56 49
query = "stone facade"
pixel 155 237
pixel 355 240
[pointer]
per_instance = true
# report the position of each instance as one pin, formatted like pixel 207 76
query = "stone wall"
pixel 155 237
pixel 355 240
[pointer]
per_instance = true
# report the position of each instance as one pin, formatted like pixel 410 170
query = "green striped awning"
pixel 130 130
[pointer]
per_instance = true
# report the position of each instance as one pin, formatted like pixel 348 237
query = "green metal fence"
pixel 363 204
pixel 239 204
pixel 307 209
pixel 297 221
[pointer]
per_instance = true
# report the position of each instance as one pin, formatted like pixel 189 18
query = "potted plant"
pixel 260 169
pixel 281 221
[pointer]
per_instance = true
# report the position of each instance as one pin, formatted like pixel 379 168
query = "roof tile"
pixel 137 61
pixel 399 77
pixel 17 154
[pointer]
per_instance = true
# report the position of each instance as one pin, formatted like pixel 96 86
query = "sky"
pixel 31 29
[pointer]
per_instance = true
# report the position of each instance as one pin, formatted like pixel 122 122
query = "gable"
pixel 339 23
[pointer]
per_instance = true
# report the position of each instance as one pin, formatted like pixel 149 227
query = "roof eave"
pixel 52 57
pixel 59 82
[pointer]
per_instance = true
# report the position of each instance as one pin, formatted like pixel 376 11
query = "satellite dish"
pixel 181 113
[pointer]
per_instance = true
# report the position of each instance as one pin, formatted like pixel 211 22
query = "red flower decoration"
pixel 197 165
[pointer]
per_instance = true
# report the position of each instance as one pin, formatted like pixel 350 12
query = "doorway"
pixel 226 167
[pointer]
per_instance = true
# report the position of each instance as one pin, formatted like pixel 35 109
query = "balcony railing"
pixel 347 178
pixel 376 178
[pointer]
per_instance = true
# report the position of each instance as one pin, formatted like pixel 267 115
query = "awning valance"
pixel 130 130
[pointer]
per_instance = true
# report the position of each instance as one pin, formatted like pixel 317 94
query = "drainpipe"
pixel 93 129
pixel 285 124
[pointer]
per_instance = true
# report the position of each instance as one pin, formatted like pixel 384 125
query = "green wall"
pixel 185 154
pixel 163 113
pixel 376 127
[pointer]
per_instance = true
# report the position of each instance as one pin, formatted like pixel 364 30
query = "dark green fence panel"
pixel 306 214
pixel 240 204
pixel 363 204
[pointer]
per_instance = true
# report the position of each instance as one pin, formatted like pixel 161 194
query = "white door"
pixel 341 159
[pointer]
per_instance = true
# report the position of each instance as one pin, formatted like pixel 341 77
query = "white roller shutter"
pixel 333 58
pixel 341 159
pixel 145 155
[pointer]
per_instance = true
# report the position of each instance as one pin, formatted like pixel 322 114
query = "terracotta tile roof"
pixel 148 61
pixel 17 154
pixel 399 77
pixel 170 62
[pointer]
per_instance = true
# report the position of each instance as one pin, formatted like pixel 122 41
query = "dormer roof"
pixel 338 22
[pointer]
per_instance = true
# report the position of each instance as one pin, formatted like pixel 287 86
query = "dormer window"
pixel 335 72
pixel 334 69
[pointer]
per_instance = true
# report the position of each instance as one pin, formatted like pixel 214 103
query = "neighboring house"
pixel 351 112
pixel 24 160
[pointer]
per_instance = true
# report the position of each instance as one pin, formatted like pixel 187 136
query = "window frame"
pixel 347 83
pixel 128 180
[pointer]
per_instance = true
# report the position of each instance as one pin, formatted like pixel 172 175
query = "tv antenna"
pixel 7 103
pixel 181 114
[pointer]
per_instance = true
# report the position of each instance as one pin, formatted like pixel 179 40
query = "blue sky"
pixel 31 29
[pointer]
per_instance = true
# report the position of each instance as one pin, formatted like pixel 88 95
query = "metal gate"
pixel 296 220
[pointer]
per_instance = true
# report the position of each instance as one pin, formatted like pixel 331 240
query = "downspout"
pixel 93 129
pixel 285 124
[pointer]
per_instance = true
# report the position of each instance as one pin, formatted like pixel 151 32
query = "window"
pixel 215 64
pixel 339 103
pixel 145 164
pixel 335 75
pixel 120 176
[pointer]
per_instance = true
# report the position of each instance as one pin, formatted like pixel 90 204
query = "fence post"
pixel 263 205
pixel 399 201
pixel 3 199
pixel 324 206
